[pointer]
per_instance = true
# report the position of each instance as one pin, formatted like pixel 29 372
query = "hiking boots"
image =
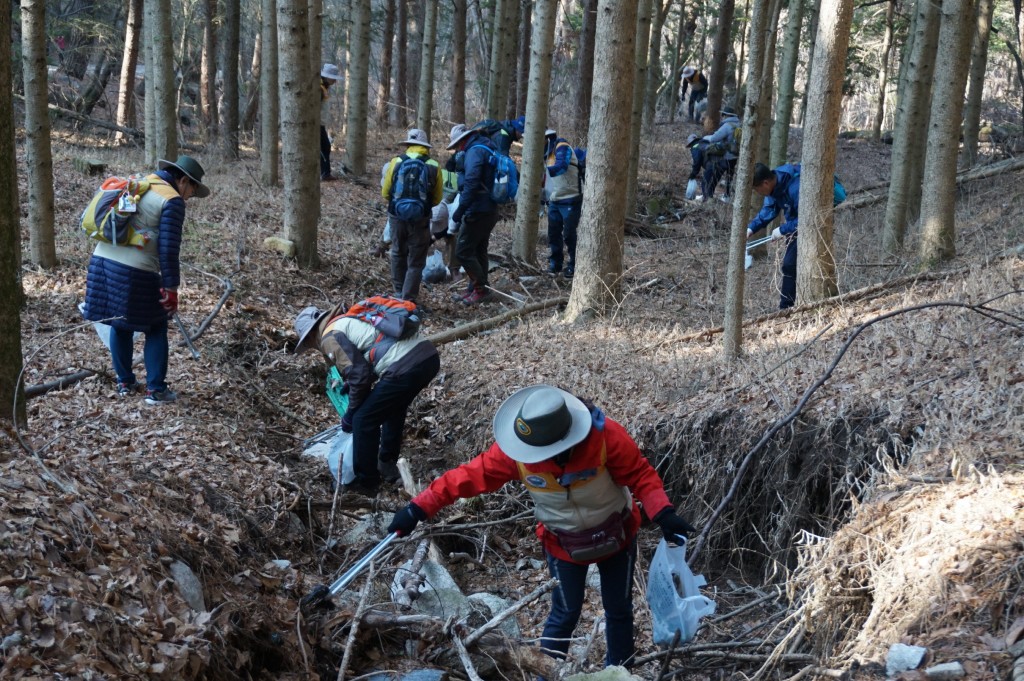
pixel 127 389
pixel 476 297
pixel 362 490
pixel 389 471
pixel 161 396
pixel 570 271
pixel 554 267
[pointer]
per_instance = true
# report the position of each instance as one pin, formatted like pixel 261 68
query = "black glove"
pixel 406 520
pixel 673 526
pixel 346 422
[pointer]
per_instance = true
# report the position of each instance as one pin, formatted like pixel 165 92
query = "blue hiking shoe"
pixel 160 396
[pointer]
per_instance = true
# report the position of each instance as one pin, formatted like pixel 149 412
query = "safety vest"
pixel 567 185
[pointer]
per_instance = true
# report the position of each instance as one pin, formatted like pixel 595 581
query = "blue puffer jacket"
pixel 123 284
pixel 786 195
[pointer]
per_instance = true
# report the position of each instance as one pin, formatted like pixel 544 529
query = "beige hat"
pixel 307 320
pixel 459 132
pixel 416 136
pixel 540 422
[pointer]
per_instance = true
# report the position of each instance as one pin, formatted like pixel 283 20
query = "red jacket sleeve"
pixel 629 467
pixel 487 472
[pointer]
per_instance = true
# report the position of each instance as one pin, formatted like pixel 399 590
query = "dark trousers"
pixel 714 170
pixel 563 219
pixel 410 242
pixel 325 153
pixel 378 423
pixel 474 238
pixel 697 161
pixel 616 596
pixel 154 351
pixel 788 295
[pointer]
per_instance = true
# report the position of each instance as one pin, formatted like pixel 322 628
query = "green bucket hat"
pixel 192 170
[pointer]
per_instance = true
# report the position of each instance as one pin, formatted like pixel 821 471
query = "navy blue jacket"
pixel 477 180
pixel 785 196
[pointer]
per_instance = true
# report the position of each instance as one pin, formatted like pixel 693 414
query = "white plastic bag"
pixel 673 593
pixel 341 450
pixel 435 271
pixel 749 262
pixel 386 236
pixel 691 190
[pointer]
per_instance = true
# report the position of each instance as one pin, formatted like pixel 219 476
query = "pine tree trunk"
pixel 149 103
pixel 812 35
pixel 979 61
pixel 425 109
pixel 732 337
pixel 299 93
pixel 938 202
pixel 910 120
pixel 316 33
pixel 523 77
pixel 524 232
pixel 654 75
pixel 252 84
pixel 676 66
pixel 129 62
pixel 37 133
pixel 229 72
pixel 270 113
pixel 387 52
pixel 764 141
pixel 787 82
pixel 883 72
pixel 495 104
pixel 358 84
pixel 400 114
pixel 11 294
pixel 643 37
pixel 458 112
pixel 584 80
pixel 599 248
pixel 720 51
pixel 415 42
pixel 208 71
pixel 816 267
pixel 508 81
pixel 165 115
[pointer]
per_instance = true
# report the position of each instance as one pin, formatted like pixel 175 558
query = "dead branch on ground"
pixel 466 330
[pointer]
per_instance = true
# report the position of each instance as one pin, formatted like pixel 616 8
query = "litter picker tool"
pixel 188 339
pixel 758 242
pixel 323 593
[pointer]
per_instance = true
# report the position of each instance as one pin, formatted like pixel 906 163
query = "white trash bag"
pixel 435 270
pixel 341 450
pixel 691 190
pixel 673 593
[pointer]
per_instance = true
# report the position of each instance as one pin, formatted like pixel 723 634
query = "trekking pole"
pixel 323 593
pixel 758 242
pixel 188 339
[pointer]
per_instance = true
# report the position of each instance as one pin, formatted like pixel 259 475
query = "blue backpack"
pixel 410 189
pixel 838 191
pixel 506 177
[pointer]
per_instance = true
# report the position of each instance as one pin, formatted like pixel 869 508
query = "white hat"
pixel 416 136
pixel 540 422
pixel 689 71
pixel 459 132
pixel 307 320
pixel 550 133
pixel 330 71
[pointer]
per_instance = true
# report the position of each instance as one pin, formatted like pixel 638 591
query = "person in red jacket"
pixel 585 474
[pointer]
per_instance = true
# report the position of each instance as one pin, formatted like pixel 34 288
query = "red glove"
pixel 169 300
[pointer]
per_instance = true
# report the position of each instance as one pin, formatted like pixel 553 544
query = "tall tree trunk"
pixel 458 113
pixel 509 81
pixel 599 249
pixel 764 142
pixel 677 49
pixel 414 47
pixel 229 71
pixel 910 122
pixel 387 52
pixel 738 72
pixel 90 96
pixel 584 80
pixel 11 294
pixel 495 104
pixel 720 51
pixel 270 118
pixel 523 77
pixel 938 201
pixel 787 82
pixel 883 72
pixel 37 132
pixel 149 99
pixel 643 37
pixel 654 74
pixel 299 93
pixel 979 61
pixel 425 108
pixel 129 62
pixel 208 71
pixel 316 33
pixel 401 110
pixel 732 337
pixel 812 35
pixel 358 84
pixel 524 233
pixel 165 114
pixel 252 84
pixel 816 266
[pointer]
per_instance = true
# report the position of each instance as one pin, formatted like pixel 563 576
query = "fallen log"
pixel 59 384
pixel 466 330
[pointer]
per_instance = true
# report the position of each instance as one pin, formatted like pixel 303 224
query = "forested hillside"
pixel 850 457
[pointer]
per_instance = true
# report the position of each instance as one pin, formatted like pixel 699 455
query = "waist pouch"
pixel 597 542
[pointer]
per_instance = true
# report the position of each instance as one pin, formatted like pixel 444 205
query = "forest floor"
pixel 888 511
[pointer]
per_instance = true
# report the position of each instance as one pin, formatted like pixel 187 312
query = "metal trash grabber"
pixel 758 242
pixel 322 593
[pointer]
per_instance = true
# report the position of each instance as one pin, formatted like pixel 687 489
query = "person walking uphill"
pixel 329 75
pixel 697 83
pixel 412 185
pixel 563 190
pixel 584 474
pixel 384 366
pixel 477 212
pixel 135 288
pixel 781 191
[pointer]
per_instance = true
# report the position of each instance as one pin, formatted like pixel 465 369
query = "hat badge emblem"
pixel 522 427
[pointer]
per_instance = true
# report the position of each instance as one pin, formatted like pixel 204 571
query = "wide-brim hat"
pixel 691 139
pixel 192 170
pixel 539 422
pixel 550 133
pixel 416 136
pixel 689 71
pixel 305 322
pixel 728 111
pixel 331 72
pixel 458 138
